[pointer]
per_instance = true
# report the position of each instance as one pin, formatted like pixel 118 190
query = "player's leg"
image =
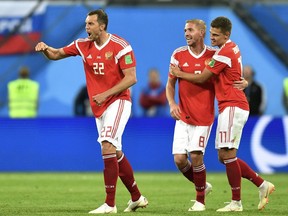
pixel 265 187
pixel 228 134
pixel 184 166
pixel 120 112
pixel 198 138
pixel 199 173
pixel 233 171
pixel 111 171
pixel 250 174
pixel 109 130
pixel 179 150
pixel 127 176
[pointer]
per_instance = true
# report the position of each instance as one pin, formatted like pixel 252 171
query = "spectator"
pixel 23 96
pixel 82 104
pixel 254 92
pixel 153 96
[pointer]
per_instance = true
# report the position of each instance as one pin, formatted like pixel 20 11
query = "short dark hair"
pixel 222 23
pixel 24 72
pixel 102 17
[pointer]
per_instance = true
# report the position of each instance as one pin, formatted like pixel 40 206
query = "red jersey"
pixel 227 65
pixel 103 67
pixel 196 101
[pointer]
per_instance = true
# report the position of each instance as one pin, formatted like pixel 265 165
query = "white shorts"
pixel 230 126
pixel 188 138
pixel 112 123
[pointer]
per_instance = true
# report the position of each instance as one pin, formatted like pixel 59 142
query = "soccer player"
pixel 195 112
pixel 110 69
pixel 226 67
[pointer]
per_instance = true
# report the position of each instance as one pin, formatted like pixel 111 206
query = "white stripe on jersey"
pixel 127 47
pixel 120 41
pixel 118 118
pixel 174 61
pixel 223 59
pixel 180 49
pixel 78 48
pixel 123 52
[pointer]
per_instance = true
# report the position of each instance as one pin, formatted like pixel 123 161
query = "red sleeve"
pixel 127 61
pixel 71 49
pixel 217 67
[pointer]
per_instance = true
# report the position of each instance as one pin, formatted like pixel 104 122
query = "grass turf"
pixel 63 194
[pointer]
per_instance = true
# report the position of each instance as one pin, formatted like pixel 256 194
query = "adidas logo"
pixel 89 56
pixel 185 64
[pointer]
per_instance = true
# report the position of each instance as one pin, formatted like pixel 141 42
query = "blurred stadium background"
pixel 59 141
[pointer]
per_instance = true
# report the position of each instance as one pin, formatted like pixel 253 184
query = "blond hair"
pixel 201 25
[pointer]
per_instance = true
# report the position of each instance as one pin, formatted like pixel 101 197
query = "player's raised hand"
pixel 41 46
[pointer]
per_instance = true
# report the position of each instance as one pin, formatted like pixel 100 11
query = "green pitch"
pixel 63 194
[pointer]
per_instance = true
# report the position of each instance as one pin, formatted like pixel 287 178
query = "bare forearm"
pixel 121 86
pixel 191 77
pixel 50 52
pixel 170 94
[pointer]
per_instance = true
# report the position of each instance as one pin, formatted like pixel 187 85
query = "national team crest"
pixel 108 55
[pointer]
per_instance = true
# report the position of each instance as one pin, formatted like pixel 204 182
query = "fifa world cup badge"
pixel 211 63
pixel 128 59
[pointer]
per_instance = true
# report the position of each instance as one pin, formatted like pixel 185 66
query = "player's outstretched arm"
pixel 50 52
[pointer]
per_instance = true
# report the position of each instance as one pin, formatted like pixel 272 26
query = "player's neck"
pixel 197 49
pixel 104 37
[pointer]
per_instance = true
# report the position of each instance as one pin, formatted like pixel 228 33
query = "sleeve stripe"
pixel 122 42
pixel 124 51
pixel 78 48
pixel 223 59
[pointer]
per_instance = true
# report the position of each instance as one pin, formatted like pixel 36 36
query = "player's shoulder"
pixel 82 40
pixel 180 49
pixel 211 49
pixel 229 47
pixel 119 40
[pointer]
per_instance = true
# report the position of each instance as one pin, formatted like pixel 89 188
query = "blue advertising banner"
pixel 70 144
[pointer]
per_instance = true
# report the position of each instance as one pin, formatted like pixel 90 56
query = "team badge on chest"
pixel 108 55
